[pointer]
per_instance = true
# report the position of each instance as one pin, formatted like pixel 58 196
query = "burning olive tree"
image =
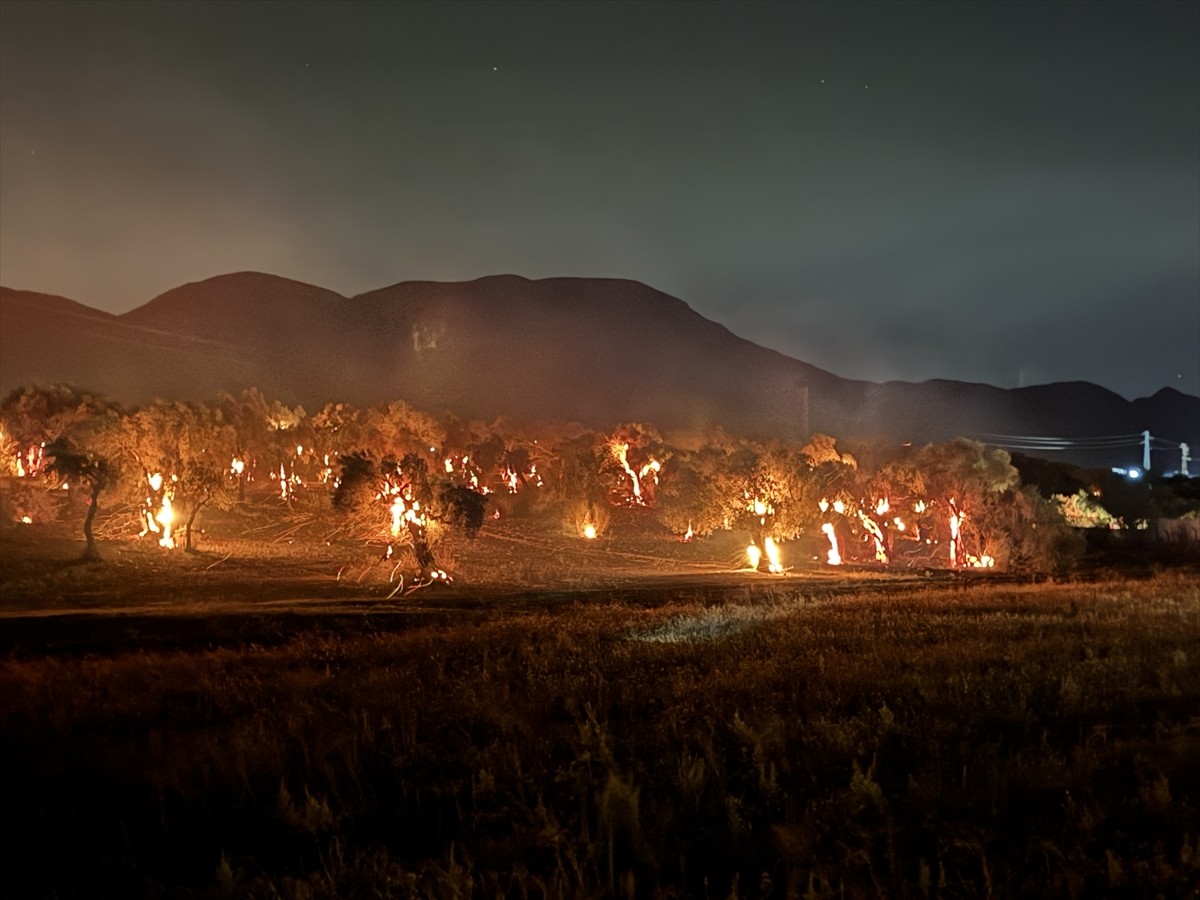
pixel 62 439
pixel 984 518
pixel 400 499
pixel 578 486
pixel 178 464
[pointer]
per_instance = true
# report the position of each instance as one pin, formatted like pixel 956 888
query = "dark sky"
pixel 1006 193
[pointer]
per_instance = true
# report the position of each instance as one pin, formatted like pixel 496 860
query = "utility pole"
pixel 1146 451
pixel 1184 459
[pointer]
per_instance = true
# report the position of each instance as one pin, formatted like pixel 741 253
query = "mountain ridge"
pixel 598 351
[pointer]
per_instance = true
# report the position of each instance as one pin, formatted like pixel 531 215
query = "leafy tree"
pixel 706 489
pixel 266 435
pixel 400 498
pixel 190 446
pixel 36 416
pixel 396 429
pixel 1037 537
pixel 782 481
pixel 78 465
pixel 335 430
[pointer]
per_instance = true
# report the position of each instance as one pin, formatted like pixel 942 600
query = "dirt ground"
pixel 253 582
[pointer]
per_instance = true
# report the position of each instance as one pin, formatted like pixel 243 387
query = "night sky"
pixel 1004 193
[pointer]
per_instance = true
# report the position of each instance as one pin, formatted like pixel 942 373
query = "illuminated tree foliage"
pixel 190 446
pixel 402 476
pixel 402 501
pixel 704 490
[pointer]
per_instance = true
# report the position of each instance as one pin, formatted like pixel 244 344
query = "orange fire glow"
pixel 834 556
pixel 956 520
pixel 873 529
pixel 620 452
pixel 774 562
pixel 158 516
pixel 753 556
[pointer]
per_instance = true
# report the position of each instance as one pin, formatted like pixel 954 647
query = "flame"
pixel 919 507
pixel 31 463
pixel 403 508
pixel 872 527
pixel 688 535
pixel 237 466
pixel 882 507
pixel 589 531
pixel 161 519
pixel 166 518
pixel 753 556
pixel 449 464
pixel 774 565
pixel 397 510
pixel 839 507
pixel 833 557
pixel 956 520
pixel 824 505
pixel 510 478
pixel 620 452
pixel 25 520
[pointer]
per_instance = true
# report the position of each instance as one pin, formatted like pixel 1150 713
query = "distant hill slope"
pixel 596 351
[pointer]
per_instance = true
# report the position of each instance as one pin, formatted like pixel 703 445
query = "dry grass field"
pixel 275 719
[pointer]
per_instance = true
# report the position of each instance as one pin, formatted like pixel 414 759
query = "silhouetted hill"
pixel 47 339
pixel 597 351
pixel 246 308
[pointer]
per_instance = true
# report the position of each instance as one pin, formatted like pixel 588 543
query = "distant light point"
pixel 495 68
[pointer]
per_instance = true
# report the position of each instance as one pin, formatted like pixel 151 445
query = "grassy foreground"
pixel 978 740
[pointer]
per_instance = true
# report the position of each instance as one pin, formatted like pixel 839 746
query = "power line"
pixel 1036 437
pixel 1030 442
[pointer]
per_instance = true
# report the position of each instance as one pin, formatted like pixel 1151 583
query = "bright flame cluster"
pixel 638 478
pixel 158 515
pixel 877 517
pixel 754 556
